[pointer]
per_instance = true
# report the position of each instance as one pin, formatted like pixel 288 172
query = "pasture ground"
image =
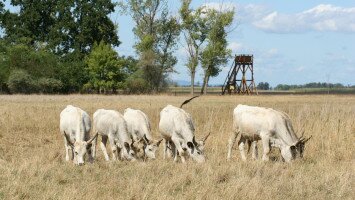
pixel 32 163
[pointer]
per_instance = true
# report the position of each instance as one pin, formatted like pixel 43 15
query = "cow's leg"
pixel 254 146
pixel 165 149
pixel 172 151
pixel 179 148
pixel 266 147
pixel 67 149
pixel 168 152
pixel 93 147
pixel 103 147
pixel 231 142
pixel 175 154
pixel 113 147
pixel 241 145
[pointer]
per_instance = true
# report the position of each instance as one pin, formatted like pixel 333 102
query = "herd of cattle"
pixel 130 138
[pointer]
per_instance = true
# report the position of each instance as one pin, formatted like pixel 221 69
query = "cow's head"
pixel 292 152
pixel 126 151
pixel 196 149
pixel 80 149
pixel 151 147
pixel 300 145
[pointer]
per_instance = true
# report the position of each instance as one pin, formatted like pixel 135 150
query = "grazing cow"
pixel 75 127
pixel 177 129
pixel 139 128
pixel 111 125
pixel 272 127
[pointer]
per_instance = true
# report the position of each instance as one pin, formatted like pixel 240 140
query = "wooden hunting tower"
pixel 240 78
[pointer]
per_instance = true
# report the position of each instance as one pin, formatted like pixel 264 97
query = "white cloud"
pixel 235 46
pixel 243 13
pixel 324 17
pixel 223 7
pixel 300 69
pixel 250 12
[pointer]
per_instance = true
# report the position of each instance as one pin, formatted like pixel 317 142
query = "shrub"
pixel 49 85
pixel 21 82
pixel 136 85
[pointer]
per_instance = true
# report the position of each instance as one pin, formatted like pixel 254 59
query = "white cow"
pixel 111 125
pixel 75 127
pixel 139 128
pixel 177 129
pixel 272 127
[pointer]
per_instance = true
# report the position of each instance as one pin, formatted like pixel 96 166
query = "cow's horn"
pixel 146 139
pixel 68 139
pixel 205 138
pixel 93 138
pixel 305 140
pixel 159 141
pixel 302 135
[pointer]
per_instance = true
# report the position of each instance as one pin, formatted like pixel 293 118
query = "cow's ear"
pixel 126 145
pixel 89 146
pixel 158 142
pixel 191 146
pixel 293 148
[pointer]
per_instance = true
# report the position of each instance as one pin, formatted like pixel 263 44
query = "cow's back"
pixel 252 120
pixel 110 121
pixel 69 119
pixel 173 119
pixel 137 122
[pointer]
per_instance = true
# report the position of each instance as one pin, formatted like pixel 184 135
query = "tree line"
pixel 68 46
pixel 311 85
pixel 266 86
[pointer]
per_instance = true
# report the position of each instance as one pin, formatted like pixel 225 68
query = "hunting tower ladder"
pixel 237 81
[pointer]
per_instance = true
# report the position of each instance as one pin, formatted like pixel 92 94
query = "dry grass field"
pixel 32 156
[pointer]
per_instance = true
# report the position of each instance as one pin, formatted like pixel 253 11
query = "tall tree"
pixel 157 34
pixel 105 68
pixel 32 23
pixel 195 31
pixel 64 26
pixel 215 54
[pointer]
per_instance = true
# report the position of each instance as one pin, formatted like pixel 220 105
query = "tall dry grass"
pixel 32 164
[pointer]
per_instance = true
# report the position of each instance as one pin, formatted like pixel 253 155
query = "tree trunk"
pixel 192 83
pixel 205 83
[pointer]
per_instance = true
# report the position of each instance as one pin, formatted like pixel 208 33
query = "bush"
pixel 21 82
pixel 136 85
pixel 49 85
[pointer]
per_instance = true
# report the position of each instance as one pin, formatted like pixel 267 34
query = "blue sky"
pixel 293 42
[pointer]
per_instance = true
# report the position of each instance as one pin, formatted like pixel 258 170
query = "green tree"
pixel 4 66
pixel 263 86
pixel 82 23
pixel 64 26
pixel 195 32
pixel 105 69
pixel 157 34
pixel 215 54
pixel 23 59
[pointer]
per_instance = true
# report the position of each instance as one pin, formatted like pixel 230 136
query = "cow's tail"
pixel 188 100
